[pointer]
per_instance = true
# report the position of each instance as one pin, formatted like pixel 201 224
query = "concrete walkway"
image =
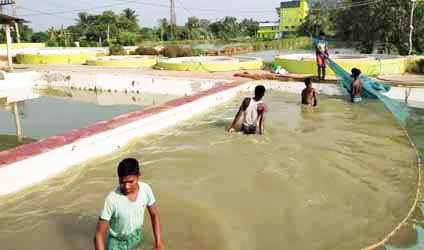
pixel 412 80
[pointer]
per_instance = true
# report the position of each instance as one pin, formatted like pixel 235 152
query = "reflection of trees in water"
pixel 21 109
pixel 415 128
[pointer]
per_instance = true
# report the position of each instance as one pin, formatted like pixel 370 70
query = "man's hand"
pixel 159 246
pixel 231 130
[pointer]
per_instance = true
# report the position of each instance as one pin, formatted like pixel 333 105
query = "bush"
pixel 145 51
pixel 117 49
pixel 420 66
pixel 170 51
pixel 128 38
pixel 176 51
pixel 198 52
pixel 52 43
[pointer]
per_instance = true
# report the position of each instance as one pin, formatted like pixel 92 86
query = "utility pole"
pixel 411 27
pixel 8 35
pixel 15 14
pixel 173 19
pixel 108 34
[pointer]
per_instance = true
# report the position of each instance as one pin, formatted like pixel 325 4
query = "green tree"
pixel 164 29
pixel 40 37
pixel 319 19
pixel 249 27
pixel 385 24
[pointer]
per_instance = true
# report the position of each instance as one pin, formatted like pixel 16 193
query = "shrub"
pixel 117 49
pixel 146 51
pixel 128 38
pixel 420 66
pixel 170 51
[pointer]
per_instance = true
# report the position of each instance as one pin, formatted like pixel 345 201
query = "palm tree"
pixel 130 15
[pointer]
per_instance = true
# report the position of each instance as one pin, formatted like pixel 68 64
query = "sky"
pixel 47 13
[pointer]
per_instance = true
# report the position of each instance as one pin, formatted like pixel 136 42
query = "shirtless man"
pixel 356 88
pixel 309 94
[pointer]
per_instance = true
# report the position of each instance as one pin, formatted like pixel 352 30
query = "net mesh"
pixel 372 89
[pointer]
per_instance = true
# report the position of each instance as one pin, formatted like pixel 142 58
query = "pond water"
pixel 337 177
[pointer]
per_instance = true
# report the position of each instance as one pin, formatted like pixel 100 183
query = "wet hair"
pixel 355 72
pixel 127 167
pixel 259 91
pixel 308 81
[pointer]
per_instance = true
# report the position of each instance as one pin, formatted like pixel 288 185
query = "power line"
pixel 350 5
pixel 186 9
pixel 40 13
pixel 43 13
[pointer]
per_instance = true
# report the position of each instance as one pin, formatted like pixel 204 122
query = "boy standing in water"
pixel 356 88
pixel 309 94
pixel 321 51
pixel 122 216
pixel 253 111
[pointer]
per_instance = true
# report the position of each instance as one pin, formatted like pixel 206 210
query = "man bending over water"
pixel 122 216
pixel 309 94
pixel 253 110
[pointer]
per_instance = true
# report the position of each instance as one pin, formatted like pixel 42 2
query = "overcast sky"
pixel 47 13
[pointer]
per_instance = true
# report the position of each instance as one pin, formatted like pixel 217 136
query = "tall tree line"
pixel 383 25
pixel 123 28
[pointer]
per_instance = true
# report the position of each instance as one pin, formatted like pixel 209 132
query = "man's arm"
pixel 154 218
pixel 101 232
pixel 238 115
pixel 262 120
pixel 315 98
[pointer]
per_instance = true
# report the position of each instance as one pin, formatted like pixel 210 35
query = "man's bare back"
pixel 309 97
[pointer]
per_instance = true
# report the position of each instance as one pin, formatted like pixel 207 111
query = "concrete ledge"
pixel 133 82
pixel 123 61
pixel 210 63
pixel 77 146
pixel 369 65
pixel 24 45
pixel 56 58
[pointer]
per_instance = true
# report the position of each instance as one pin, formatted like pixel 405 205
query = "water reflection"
pixel 46 112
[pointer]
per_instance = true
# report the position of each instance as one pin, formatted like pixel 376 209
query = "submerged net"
pixel 411 119
pixel 372 89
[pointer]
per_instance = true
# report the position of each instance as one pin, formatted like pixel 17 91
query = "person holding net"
pixel 321 52
pixel 356 87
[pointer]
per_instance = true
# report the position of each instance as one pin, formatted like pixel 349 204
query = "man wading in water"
pixel 253 111
pixel 122 216
pixel 309 94
pixel 356 87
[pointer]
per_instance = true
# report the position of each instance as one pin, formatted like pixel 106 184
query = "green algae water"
pixel 338 177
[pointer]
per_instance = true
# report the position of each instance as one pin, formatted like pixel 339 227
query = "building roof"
pixel 7 2
pixel 290 4
pixel 6 19
pixel 269 24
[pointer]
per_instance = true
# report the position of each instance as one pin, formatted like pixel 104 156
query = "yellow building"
pixel 291 13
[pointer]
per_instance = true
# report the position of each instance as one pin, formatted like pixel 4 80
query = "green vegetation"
pixel 117 50
pixel 383 26
pixel 109 28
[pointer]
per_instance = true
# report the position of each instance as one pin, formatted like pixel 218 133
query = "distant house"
pixel 269 30
pixel 291 13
